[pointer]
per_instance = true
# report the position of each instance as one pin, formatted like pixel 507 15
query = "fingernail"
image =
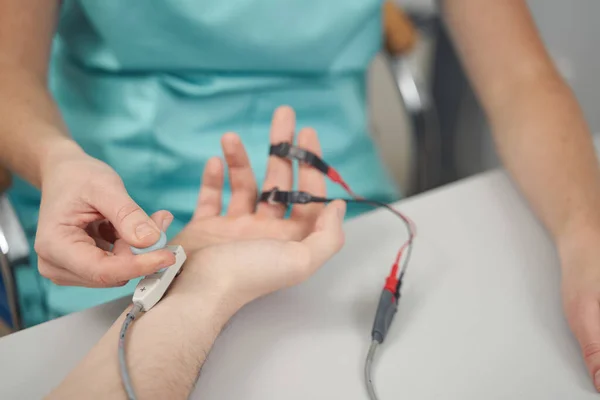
pixel 597 380
pixel 145 230
pixel 166 222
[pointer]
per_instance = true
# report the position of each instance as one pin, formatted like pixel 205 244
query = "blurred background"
pixel 569 30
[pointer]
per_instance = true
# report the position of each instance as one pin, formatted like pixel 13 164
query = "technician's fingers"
pixel 62 277
pixel 327 238
pixel 241 177
pixel 279 171
pixel 310 180
pixel 162 219
pixel 211 190
pixel 130 221
pixel 586 326
pixel 99 268
pixel 110 270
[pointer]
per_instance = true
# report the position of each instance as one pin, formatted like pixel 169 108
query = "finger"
pixel 279 171
pixel 113 269
pixel 130 221
pixel 62 277
pixel 59 276
pixel 310 180
pixel 587 329
pixel 241 177
pixel 102 244
pixel 210 197
pixel 96 266
pixel 328 236
pixel 161 218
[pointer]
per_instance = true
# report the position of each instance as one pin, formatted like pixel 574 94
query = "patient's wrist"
pixel 201 290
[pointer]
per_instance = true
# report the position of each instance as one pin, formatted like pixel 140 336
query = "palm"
pixel 203 232
pixel 244 219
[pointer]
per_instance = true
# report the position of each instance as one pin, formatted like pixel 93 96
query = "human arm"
pixel 544 142
pixel 31 122
pixel 167 345
pixel 78 191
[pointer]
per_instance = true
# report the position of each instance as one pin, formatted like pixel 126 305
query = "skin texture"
pixel 544 142
pixel 218 279
pixel 538 127
pixel 34 143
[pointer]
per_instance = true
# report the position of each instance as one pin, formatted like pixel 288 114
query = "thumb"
pixel 587 330
pixel 328 236
pixel 131 222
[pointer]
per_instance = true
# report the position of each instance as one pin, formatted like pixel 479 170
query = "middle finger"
pixel 279 171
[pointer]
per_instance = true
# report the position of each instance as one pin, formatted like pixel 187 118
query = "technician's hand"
pixel 245 220
pixel 85 207
pixel 581 296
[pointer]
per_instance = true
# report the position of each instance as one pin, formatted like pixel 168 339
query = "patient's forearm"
pixel 165 349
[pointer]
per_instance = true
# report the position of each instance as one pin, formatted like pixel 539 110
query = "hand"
pixel 245 220
pixel 85 207
pixel 257 251
pixel 581 296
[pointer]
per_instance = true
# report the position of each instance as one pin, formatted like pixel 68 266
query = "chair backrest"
pixel 403 118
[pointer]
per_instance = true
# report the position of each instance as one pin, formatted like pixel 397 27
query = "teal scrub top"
pixel 149 86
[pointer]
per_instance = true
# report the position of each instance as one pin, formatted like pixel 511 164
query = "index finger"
pixel 310 180
pixel 279 171
pixel 99 267
pixel 105 268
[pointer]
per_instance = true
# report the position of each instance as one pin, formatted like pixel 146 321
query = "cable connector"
pixel 152 288
pixel 386 310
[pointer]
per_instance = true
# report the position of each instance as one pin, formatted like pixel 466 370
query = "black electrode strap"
pixel 276 196
pixel 291 152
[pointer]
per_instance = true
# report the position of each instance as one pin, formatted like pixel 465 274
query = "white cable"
pixel 147 293
pixel 369 368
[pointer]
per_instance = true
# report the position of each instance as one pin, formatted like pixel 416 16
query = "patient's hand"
pixel 252 250
pixel 244 220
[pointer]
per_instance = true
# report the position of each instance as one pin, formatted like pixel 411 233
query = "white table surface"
pixel 480 317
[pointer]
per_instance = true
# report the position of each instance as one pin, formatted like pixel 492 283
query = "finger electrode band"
pixel 276 196
pixel 291 152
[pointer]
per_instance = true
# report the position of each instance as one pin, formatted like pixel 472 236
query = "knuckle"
pixel 591 351
pixel 45 270
pixel 127 210
pixel 101 278
pixel 41 244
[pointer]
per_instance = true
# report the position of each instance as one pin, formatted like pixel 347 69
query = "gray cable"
pixel 131 315
pixel 368 369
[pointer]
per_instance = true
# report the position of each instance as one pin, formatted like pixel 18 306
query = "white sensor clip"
pixel 152 288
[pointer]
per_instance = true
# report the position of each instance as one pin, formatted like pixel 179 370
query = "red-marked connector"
pixel 337 178
pixel 391 281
